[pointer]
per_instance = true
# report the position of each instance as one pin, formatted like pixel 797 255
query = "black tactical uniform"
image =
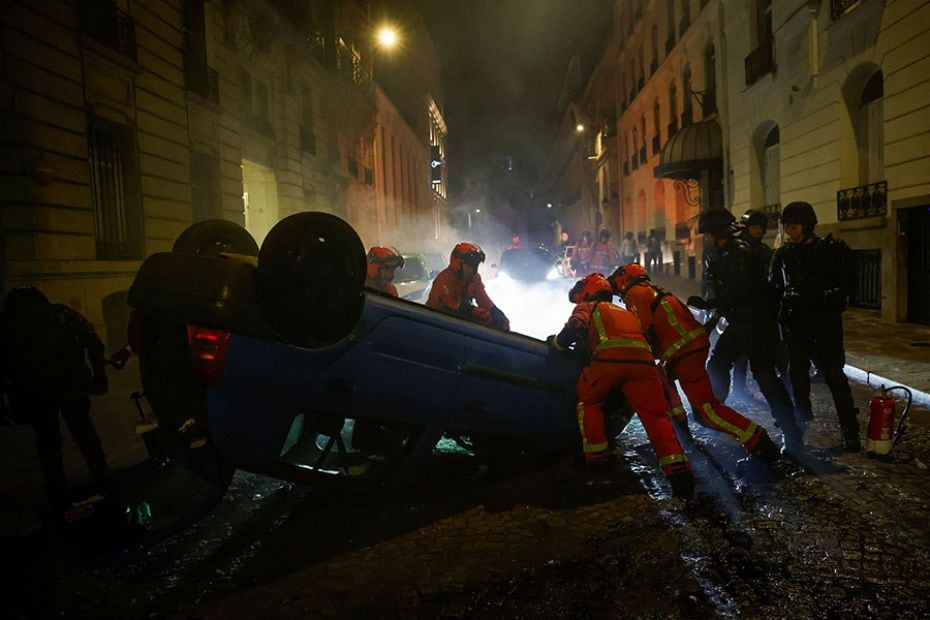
pixel 744 297
pixel 46 350
pixel 812 281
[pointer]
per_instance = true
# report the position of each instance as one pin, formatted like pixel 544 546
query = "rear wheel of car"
pixel 213 237
pixel 311 271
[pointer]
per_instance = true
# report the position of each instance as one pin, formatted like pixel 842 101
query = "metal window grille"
pixel 867 286
pixel 117 211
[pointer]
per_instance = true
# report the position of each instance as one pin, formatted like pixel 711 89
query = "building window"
pixel 206 193
pixel 670 36
pixel 642 147
pixel 685 17
pixel 762 59
pixel 771 168
pixel 709 102
pixel 654 64
pixel 657 125
pixel 687 114
pixel 198 76
pixel 115 185
pixel 672 110
pixel 108 25
pixel 869 131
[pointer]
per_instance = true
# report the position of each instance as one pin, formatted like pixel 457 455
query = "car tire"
pixel 311 274
pixel 214 237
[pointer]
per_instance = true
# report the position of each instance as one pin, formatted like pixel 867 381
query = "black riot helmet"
pixel 754 217
pixel 802 213
pixel 716 222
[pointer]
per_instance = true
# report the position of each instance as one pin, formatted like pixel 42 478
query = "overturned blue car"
pixel 279 362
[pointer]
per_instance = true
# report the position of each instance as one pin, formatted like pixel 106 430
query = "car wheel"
pixel 311 273
pixel 213 237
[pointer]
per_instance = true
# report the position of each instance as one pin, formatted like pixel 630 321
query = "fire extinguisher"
pixel 883 435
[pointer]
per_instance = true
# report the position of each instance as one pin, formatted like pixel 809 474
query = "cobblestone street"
pixel 846 538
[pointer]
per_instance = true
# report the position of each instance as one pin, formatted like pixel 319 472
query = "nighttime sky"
pixel 503 66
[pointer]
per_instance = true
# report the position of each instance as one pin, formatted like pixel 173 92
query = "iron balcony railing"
pixel 113 27
pixel 863 201
pixel 838 8
pixel 760 61
pixel 202 80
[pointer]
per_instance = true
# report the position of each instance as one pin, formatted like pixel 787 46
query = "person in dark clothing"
pixel 810 276
pixel 754 223
pixel 51 360
pixel 743 295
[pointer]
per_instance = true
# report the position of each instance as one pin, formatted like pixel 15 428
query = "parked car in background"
pixel 413 280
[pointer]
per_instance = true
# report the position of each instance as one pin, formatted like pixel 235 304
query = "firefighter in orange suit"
pixel 681 344
pixel 620 358
pixel 382 263
pixel 458 288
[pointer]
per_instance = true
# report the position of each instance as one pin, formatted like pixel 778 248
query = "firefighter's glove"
pixel 700 303
pixel 98 383
pixel 482 316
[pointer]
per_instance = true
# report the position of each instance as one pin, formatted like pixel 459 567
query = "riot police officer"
pixel 810 275
pixel 743 295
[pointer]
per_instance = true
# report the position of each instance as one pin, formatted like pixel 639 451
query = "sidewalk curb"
pixel 875 380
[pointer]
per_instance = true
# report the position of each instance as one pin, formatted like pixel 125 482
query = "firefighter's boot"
pixel 682 482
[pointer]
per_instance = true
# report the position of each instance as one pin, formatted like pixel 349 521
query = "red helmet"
pixel 382 255
pixel 467 254
pixel 592 287
pixel 627 276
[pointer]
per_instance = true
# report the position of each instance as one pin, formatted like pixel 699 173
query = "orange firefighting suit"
pixel 454 292
pixel 377 284
pixel 603 258
pixel 620 357
pixel 681 344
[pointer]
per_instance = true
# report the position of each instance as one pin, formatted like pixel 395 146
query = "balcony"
pixel 108 25
pixel 855 203
pixel 760 62
pixel 656 144
pixel 201 79
pixel 839 8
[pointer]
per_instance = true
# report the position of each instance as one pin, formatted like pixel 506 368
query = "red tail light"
pixel 208 352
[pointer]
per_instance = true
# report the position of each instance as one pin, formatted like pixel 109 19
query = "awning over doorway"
pixel 691 150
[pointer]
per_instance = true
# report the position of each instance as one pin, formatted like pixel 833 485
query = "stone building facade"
pixel 123 122
pixel 754 104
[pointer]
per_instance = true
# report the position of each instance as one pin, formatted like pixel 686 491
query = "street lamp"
pixel 579 127
pixel 387 36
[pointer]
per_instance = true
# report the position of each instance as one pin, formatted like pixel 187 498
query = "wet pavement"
pixel 840 535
